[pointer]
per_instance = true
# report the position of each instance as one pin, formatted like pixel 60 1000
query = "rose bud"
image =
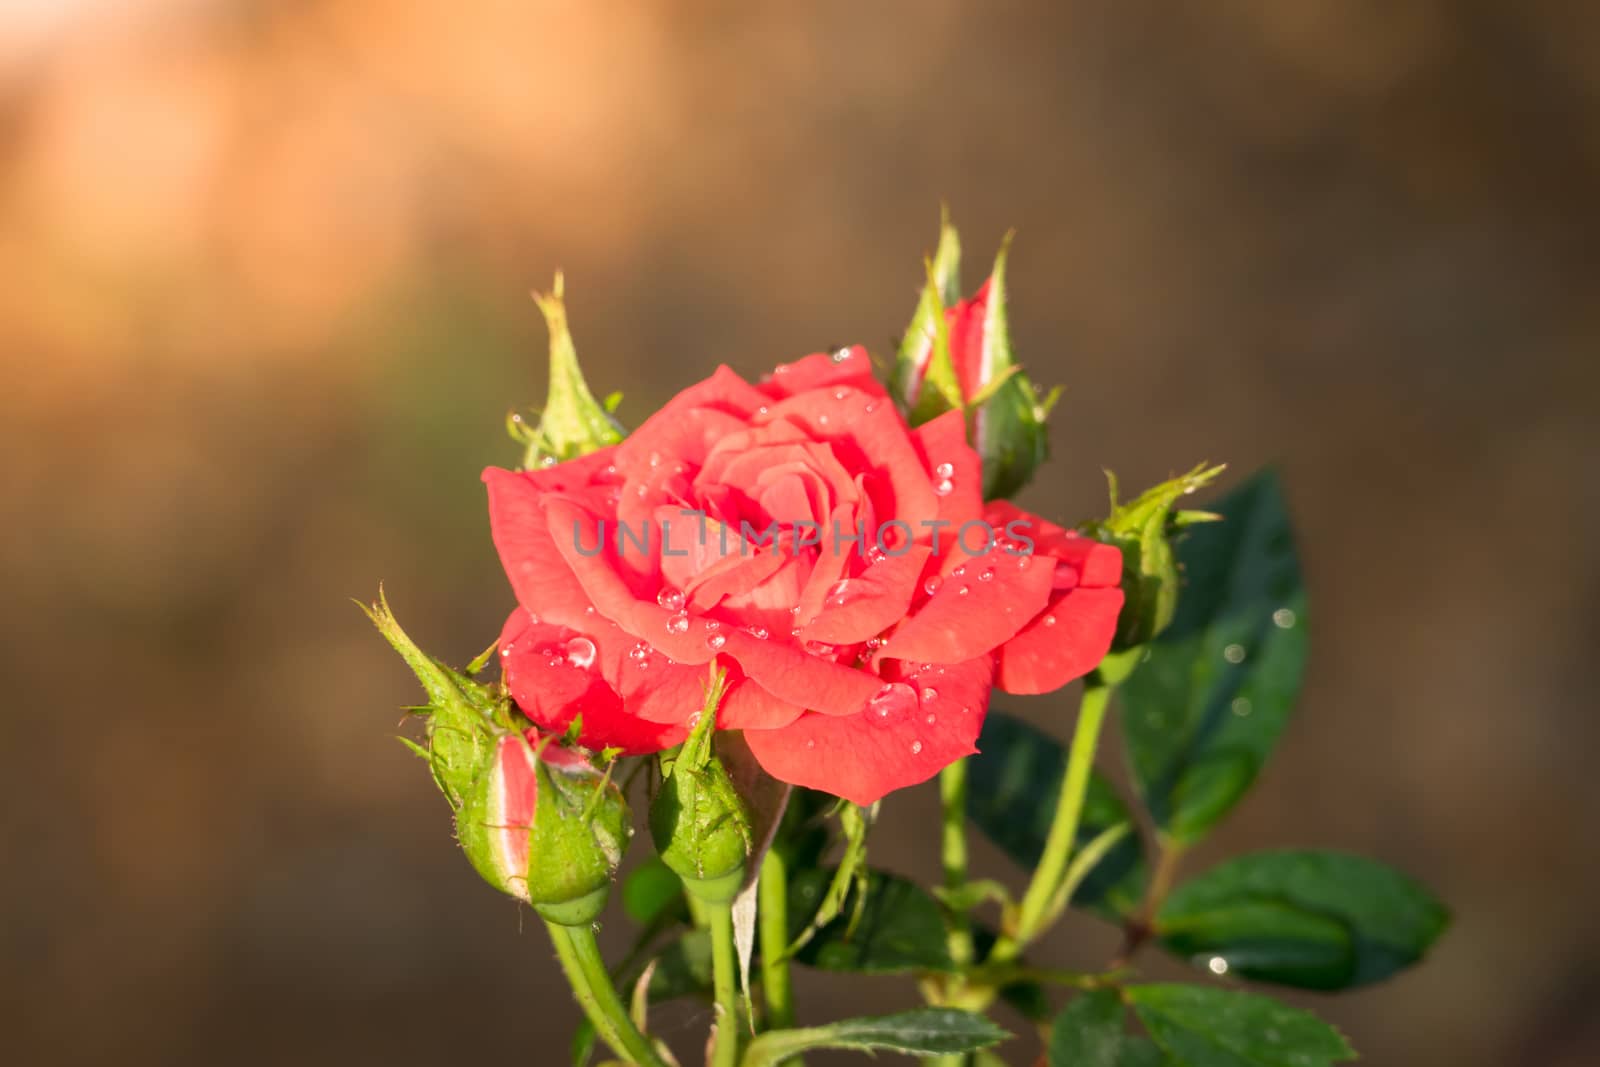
pixel 957 355
pixel 544 826
pixel 573 422
pixel 535 819
pixel 700 824
pixel 1144 529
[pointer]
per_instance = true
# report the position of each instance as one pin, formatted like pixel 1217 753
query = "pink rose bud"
pixel 536 819
pixel 543 825
pixel 957 355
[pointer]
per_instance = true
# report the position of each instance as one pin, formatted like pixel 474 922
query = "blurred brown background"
pixel 263 275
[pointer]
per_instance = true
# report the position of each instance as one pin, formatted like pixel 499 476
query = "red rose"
pixel 723 528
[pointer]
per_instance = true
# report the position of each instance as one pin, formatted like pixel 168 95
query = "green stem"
pixel 953 793
pixel 725 1052
pixel 591 984
pixel 1064 827
pixel 773 912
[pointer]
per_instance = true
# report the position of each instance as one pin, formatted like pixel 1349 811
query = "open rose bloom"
pixel 840 566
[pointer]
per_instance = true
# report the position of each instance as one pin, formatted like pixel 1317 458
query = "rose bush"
pixel 840 566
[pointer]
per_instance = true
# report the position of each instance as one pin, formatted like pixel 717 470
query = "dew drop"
pixel 588 609
pixel 840 393
pixel 715 641
pixel 639 651
pixel 891 702
pixel 930 693
pixel 670 598
pixel 762 410
pixel 678 624
pixel 811 742
pixel 839 592
pixel 1049 620
pixel 1217 965
pixel 872 405
pixel 506 651
pixel 986 576
pixel 876 555
pixel 1283 618
pixel 963 591
pixel 931 586
pixel 932 719
pixel 822 420
pixel 840 355
pixel 548 462
pixel 1233 653
pixel 819 648
pixel 757 632
pixel 944 487
pixel 916 747
pixel 944 470
pixel 693 720
pixel 580 652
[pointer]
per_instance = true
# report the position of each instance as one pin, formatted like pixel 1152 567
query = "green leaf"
pixel 925 1032
pixel 901 927
pixel 1312 919
pixel 1013 783
pixel 1090 1032
pixel 1203 1026
pixel 1203 712
pixel 651 891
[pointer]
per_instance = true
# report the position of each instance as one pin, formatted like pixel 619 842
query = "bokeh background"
pixel 263 277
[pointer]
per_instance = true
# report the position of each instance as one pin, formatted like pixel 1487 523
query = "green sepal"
pixel 700 824
pixel 581 826
pixel 1007 418
pixel 926 343
pixel 465 718
pixel 1143 528
pixel 573 422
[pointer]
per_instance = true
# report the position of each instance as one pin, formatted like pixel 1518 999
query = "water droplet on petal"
pixel 715 641
pixel 678 624
pixel 693 720
pixel 931 586
pixel 891 702
pixel 932 719
pixel 762 410
pixel 872 405
pixel 588 609
pixel 840 355
pixel 819 648
pixel 944 470
pixel 876 555
pixel 670 598
pixel 757 632
pixel 1049 620
pixel 822 420
pixel 839 591
pixel 840 393
pixel 1283 618
pixel 930 693
pixel 811 742
pixel 986 576
pixel 963 591
pixel 944 487
pixel 580 652
pixel 916 747
pixel 1233 653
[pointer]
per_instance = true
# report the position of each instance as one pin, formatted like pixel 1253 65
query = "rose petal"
pixel 823 369
pixel 977 606
pixel 862 757
pixel 1066 641
pixel 871 602
pixel 552 691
